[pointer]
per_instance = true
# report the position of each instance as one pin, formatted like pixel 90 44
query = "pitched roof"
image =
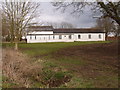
pixel 40 28
pixel 78 30
pixel 65 30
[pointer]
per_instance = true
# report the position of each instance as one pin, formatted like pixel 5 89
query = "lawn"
pixel 35 49
pixel 47 48
pixel 88 63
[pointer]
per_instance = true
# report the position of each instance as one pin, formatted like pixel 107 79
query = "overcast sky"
pixel 51 15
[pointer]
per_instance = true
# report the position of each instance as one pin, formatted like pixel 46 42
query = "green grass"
pixel 7 83
pixel 47 48
pixel 0 80
pixel 77 82
pixel 44 51
pixel 71 60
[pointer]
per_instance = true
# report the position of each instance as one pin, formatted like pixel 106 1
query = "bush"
pixel 54 76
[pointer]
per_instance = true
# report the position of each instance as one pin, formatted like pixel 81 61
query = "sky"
pixel 49 14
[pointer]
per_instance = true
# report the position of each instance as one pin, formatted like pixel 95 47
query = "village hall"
pixel 38 34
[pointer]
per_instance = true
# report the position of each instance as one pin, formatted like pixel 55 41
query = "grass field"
pixel 88 63
pixel 47 48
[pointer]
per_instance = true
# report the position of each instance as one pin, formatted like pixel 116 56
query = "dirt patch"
pixel 57 82
pixel 103 53
pixel 101 62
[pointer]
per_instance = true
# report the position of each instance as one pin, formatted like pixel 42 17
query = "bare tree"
pixel 107 25
pixel 109 9
pixel 66 25
pixel 5 28
pixel 112 10
pixel 76 7
pixel 60 24
pixel 18 16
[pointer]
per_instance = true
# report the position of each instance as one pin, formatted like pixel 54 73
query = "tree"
pixel 109 9
pixel 18 15
pixel 5 28
pixel 66 25
pixel 112 10
pixel 59 24
pixel 107 25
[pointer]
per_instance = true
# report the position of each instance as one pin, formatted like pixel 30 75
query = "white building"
pixel 38 34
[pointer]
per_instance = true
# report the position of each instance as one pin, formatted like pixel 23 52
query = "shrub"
pixel 54 76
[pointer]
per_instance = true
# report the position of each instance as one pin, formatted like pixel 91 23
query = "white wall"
pixel 41 32
pixel 94 37
pixel 49 38
pixel 65 37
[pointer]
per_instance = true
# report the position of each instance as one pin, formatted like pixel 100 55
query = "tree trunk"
pixel 16 46
pixel 118 33
pixel 106 37
pixel 16 43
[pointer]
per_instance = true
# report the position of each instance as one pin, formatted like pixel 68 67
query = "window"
pixel 70 36
pixel 89 36
pixel 30 37
pixel 60 36
pixel 79 36
pixel 99 36
pixel 53 37
pixel 49 37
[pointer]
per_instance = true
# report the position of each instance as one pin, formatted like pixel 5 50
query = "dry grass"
pixel 18 67
pixel 22 71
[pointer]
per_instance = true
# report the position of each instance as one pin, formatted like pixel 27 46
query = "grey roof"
pixel 40 28
pixel 65 30
pixel 78 30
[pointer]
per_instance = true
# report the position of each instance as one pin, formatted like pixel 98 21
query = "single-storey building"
pixel 38 34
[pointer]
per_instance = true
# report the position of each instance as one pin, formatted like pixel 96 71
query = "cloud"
pixel 50 15
pixel 51 18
